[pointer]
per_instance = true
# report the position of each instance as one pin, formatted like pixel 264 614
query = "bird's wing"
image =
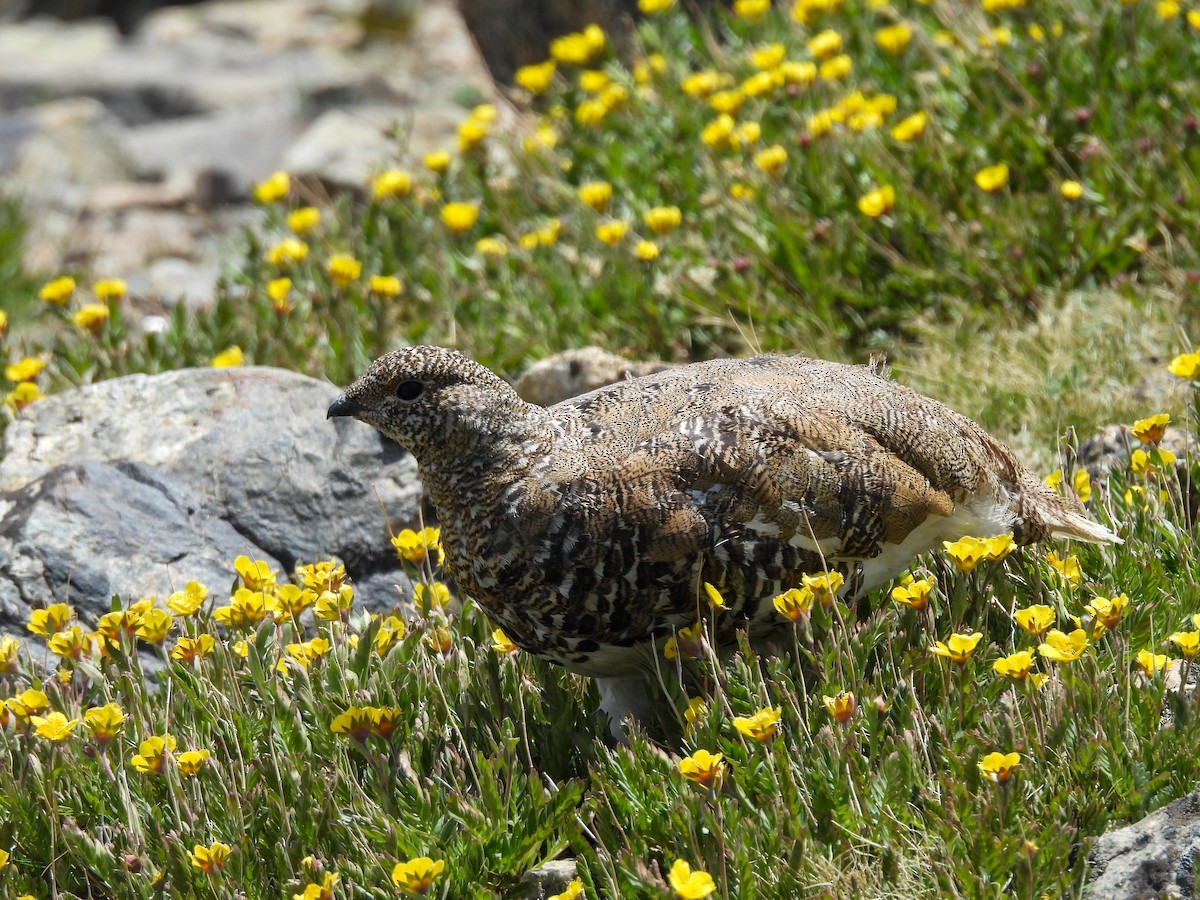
pixel 809 478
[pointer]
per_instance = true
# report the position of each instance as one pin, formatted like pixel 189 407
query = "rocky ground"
pixel 135 154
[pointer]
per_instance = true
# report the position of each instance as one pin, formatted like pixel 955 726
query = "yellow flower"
pixel 716 133
pixel 291 601
pixel 1060 647
pixel 826 44
pixel 596 194
pixel 356 722
pixel 574 890
pixel 322 891
pixel 992 178
pixel 3 322
pixel 794 604
pixel 1035 619
pixel 9 648
pixel 910 128
pixel 191 762
pixel 1152 429
pixel 58 291
pixel 914 593
pixel 1070 190
pixel 1015 666
pixel 578 48
pixel 967 552
pixel 491 246
pixel 415 546
pixel 51 620
pixel 1166 9
pixel 1081 483
pixel 389 634
pixel 22 395
pixel 768 56
pixel 439 639
pixel 824 587
pixel 54 727
pixel 1068 568
pixel 841 706
pixel 740 191
pixel 471 134
pixel 334 605
pixel 460 217
pixel 704 83
pixel 999 546
pixel 704 768
pixel 894 38
pixel 1188 643
pixel 25 369
pixel 878 202
pixel 798 73
pixel 392 184
pixel 1186 365
pixel 435 595
pixel 289 250
pixel 1193 18
pixel 155 625
pixel 1151 662
pixel 304 219
pixel 187 650
pixel 187 601
pixel 663 219
pixel 104 722
pixel 612 231
pixel 772 159
pixel 645 250
pixel 257 575
pixel 686 883
pixel 229 358
pixel 761 726
pixel 91 316
pixel 999 767
pixel 958 648
pixel 727 102
pixel 240 648
pixel 275 187
pixel 278 290
pixel 152 753
pixel 385 719
pixel 593 81
pixel 416 876
pixel 3 859
pixel 836 68
pixel 1108 611
pixel 501 642
pixel 714 596
pixel 686 643
pixel 696 711
pixel 72 643
pixel 536 78
pixel 343 269
pixel 211 858
pixel 27 703
pixel 107 289
pixel 438 161
pixel 246 609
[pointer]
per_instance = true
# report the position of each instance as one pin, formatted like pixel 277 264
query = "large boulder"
pixel 1155 857
pixel 136 485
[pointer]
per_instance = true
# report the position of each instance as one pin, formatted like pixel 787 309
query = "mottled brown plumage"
pixel 586 529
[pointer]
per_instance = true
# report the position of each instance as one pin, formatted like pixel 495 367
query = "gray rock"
pixel 343 149
pixel 549 879
pixel 138 484
pixel 575 372
pixel 1155 857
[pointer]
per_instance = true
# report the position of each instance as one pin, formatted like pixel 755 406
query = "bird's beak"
pixel 343 406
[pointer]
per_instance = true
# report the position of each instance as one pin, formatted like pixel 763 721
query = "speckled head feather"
pixel 586 528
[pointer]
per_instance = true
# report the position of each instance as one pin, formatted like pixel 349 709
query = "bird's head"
pixel 432 400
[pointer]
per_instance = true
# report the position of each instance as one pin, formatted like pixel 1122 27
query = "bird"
pixel 587 529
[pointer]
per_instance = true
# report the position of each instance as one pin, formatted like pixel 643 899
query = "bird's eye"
pixel 409 390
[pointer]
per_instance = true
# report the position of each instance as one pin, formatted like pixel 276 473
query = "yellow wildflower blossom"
pixel 229 358
pixel 1188 643
pixel 189 600
pixel 772 159
pixel 188 650
pixel 211 858
pixel 1060 647
pixel 1108 611
pixel 416 876
pixel 152 753
pixel 825 586
pixel 391 184
pixel 91 316
pixel 50 620
pixel 191 762
pixel 21 396
pixel 795 604
pixel 343 269
pixel 909 129
pixel 841 706
pixel 257 575
pixel 289 250
pixel 826 44
pixel 155 625
pixel 1035 619
pixel 1151 662
pixel 612 231
pixel 58 291
pixel 686 643
pixel 25 369
pixel 1015 666
pixel 356 723
pixel 501 643
pixel 894 38
pixel 460 218
pixel 768 56
pixel 836 68
pixel 992 178
pixel 273 188
pixel 536 78
pixel 438 161
pixel 1152 429
pixel 1186 365
pixel 958 648
pixel 704 768
pixel 1068 568
pixel 687 883
pixel 914 592
pixel 1070 190
pixel 303 219
pixel 878 202
pixel 578 48
pixel 54 727
pixel 999 767
pixel 761 726
pixel 28 703
pixel 104 722
pixel 596 194
pixel 73 643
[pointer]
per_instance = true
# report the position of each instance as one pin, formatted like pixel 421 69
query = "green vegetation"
pixel 851 202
